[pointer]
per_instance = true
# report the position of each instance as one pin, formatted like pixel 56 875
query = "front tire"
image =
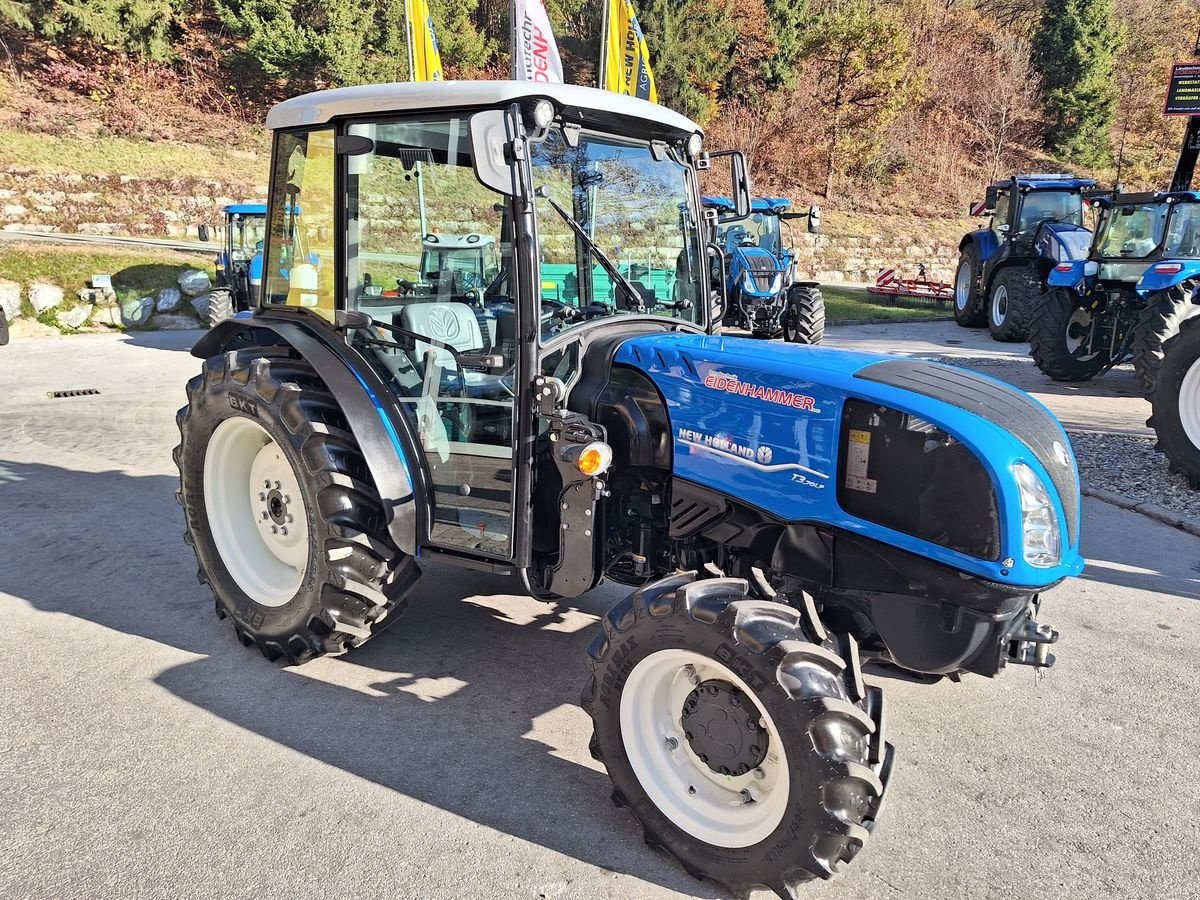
pixel 1014 295
pixel 746 745
pixel 1058 338
pixel 288 528
pixel 804 316
pixel 967 311
pixel 220 306
pixel 1158 323
pixel 1176 403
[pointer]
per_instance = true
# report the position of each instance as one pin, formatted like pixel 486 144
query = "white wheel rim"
pixel 706 804
pixel 1083 319
pixel 999 305
pixel 962 286
pixel 256 511
pixel 1189 404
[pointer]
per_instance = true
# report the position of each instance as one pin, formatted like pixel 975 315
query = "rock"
pixel 98 295
pixel 107 315
pixel 200 305
pixel 45 296
pixel 194 282
pixel 168 298
pixel 136 313
pixel 10 299
pixel 169 322
pixel 73 318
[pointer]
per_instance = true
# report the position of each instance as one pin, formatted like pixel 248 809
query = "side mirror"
pixel 203 233
pixel 740 181
pixel 814 219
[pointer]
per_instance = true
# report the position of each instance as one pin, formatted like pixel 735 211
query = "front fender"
pixel 382 434
pixel 1165 275
pixel 984 242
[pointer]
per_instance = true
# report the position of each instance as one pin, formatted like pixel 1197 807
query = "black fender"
pixel 383 434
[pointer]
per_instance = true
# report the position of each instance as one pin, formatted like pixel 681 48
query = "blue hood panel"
pixel 760 421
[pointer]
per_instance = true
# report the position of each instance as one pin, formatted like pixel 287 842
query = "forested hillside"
pixel 875 105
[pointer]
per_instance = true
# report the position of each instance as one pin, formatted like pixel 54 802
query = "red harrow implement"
pixel 889 283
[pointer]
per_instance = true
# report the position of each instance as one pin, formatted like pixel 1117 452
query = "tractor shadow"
pixel 468 703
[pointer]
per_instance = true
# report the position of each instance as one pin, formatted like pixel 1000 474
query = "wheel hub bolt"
pixel 747 797
pixel 672 743
pixel 290 518
pixel 264 515
pixel 262 496
pixel 760 774
pixel 283 530
pixel 274 529
pixel 691 790
pixel 267 483
pixel 689 672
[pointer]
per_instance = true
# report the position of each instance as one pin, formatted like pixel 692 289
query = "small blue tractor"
pixel 766 295
pixel 1037 222
pixel 1107 308
pixel 1173 282
pixel 239 262
pixel 781 514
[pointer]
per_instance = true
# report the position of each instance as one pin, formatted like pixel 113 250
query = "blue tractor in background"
pixel 239 262
pixel 766 296
pixel 1174 282
pixel 1037 223
pixel 1107 308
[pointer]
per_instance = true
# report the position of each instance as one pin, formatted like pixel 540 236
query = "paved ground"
pixel 144 753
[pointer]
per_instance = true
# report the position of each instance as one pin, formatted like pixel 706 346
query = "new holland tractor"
pixel 782 514
pixel 1037 223
pixel 1100 311
pixel 1174 282
pixel 239 262
pixel 766 293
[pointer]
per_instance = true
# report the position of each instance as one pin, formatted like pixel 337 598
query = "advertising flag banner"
pixel 424 56
pixel 534 52
pixel 625 60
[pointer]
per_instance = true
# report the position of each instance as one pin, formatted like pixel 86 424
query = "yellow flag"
pixel 422 42
pixel 626 62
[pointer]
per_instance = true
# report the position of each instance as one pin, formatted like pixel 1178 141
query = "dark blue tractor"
pixel 1108 308
pixel 766 294
pixel 1037 223
pixel 1173 282
pixel 239 261
pixel 782 514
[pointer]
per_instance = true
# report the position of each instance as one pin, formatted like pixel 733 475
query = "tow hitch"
pixel 1029 645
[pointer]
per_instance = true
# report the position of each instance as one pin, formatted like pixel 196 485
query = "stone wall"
pixel 832 258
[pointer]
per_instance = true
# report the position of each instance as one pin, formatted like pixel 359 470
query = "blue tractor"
pixel 239 262
pixel 1174 282
pixel 781 514
pixel 766 295
pixel 1101 311
pixel 1037 223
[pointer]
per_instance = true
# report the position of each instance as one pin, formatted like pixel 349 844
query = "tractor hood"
pixel 932 459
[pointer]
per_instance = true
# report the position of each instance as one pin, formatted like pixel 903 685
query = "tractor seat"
pixel 457 325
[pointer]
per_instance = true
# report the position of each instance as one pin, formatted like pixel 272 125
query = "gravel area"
pixel 1128 465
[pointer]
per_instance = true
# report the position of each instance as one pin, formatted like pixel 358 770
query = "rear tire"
pixel 1160 321
pixel 220 306
pixel 1014 295
pixel 300 560
pixel 1176 403
pixel 804 317
pixel 776 715
pixel 967 311
pixel 1057 335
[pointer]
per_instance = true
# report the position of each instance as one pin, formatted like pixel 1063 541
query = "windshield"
pixel 248 233
pixel 760 229
pixel 1183 234
pixel 1132 231
pixel 1050 206
pixel 635 209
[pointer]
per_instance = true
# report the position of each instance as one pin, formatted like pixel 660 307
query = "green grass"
pixel 843 304
pixel 45 153
pixel 134 272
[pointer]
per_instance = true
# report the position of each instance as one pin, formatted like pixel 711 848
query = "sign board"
pixel 1183 96
pixel 101 281
pixel 979 208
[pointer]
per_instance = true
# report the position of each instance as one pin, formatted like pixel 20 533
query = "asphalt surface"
pixel 145 753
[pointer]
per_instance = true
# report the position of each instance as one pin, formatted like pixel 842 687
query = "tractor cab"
pixel 1037 221
pixel 1176 258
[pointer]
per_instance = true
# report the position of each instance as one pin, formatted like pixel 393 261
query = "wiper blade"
pixel 639 302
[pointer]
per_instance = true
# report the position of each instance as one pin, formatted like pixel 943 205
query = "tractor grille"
pixel 762 270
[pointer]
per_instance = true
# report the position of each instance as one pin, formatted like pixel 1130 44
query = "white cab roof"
pixel 381 99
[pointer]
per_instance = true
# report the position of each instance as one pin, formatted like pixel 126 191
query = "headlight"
pixel 1040 532
pixel 748 283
